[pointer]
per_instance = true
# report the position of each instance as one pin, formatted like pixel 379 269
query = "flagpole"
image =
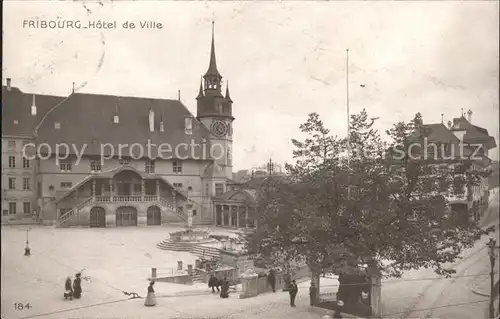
pixel 348 128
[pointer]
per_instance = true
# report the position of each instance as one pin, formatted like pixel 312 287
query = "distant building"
pixel 475 142
pixel 127 189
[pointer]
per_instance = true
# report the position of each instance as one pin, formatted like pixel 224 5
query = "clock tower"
pixel 214 110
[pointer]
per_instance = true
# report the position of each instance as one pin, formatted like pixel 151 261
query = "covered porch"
pixel 235 209
pixel 125 194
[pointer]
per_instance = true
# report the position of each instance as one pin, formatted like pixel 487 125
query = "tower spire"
pixel 200 93
pixel 228 98
pixel 212 67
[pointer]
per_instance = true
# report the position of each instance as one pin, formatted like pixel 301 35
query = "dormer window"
pixel 57 125
pixel 16 122
pixel 188 125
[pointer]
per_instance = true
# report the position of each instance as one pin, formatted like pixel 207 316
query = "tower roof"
pixel 200 93
pixel 212 67
pixel 228 98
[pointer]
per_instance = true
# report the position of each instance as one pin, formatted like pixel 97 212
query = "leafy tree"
pixel 387 209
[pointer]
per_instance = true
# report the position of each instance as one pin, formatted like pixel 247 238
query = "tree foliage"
pixel 384 208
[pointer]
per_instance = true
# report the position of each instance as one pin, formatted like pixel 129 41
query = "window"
pixel 26 163
pixel 177 166
pixel 219 189
pixel 12 144
pixel 95 165
pixel 194 212
pixel 12 161
pixel 12 208
pixel 150 166
pixel 57 125
pixel 39 189
pixel 229 159
pixel 180 209
pixel 26 183
pixel 65 165
pixel 66 184
pixel 207 189
pixel 12 183
pixel 190 188
pixel 177 185
pixel 27 208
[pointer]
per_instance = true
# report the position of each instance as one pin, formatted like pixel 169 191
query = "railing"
pixel 169 206
pixel 75 209
pixel 122 198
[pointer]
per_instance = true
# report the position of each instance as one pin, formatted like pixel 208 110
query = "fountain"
pixel 186 240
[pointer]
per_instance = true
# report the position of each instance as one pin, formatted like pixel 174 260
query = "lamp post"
pixel 492 245
pixel 27 250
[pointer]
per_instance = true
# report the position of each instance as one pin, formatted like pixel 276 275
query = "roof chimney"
pixel 116 119
pixel 33 106
pixel 188 125
pixel 151 120
pixel 469 116
pixel 162 124
pixel 8 84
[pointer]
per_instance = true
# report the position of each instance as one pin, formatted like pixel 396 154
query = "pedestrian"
pixel 338 310
pixel 150 298
pixel 77 286
pixel 292 290
pixel 272 279
pixel 224 290
pixel 313 290
pixel 68 293
pixel 213 282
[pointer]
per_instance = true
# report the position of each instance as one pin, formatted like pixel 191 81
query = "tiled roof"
pixel 16 108
pixel 473 132
pixel 440 133
pixel 248 196
pixel 87 119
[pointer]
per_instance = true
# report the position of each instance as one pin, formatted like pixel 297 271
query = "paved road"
pixel 453 298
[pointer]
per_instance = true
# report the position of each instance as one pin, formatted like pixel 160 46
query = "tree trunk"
pixel 314 290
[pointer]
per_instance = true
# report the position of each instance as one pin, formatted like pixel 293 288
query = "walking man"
pixel 272 279
pixel 292 290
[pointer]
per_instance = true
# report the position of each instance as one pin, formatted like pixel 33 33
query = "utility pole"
pixel 348 128
pixel 492 246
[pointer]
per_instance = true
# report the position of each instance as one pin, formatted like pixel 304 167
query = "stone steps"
pixel 195 248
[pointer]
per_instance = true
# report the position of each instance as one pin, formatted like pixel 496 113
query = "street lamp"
pixel 27 250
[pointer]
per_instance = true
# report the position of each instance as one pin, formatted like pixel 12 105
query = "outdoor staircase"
pixel 153 199
pixel 197 278
pixel 197 249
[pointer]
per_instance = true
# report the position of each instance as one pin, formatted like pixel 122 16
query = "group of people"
pixel 215 283
pixel 73 289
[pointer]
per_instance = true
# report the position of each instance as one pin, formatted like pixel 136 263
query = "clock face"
pixel 219 129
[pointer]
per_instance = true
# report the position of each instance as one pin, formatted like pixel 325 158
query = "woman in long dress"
pixel 68 293
pixel 77 286
pixel 150 299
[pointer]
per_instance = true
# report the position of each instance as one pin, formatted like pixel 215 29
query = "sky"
pixel 283 60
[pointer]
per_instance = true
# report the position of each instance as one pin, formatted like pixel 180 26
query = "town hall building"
pixel 128 187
